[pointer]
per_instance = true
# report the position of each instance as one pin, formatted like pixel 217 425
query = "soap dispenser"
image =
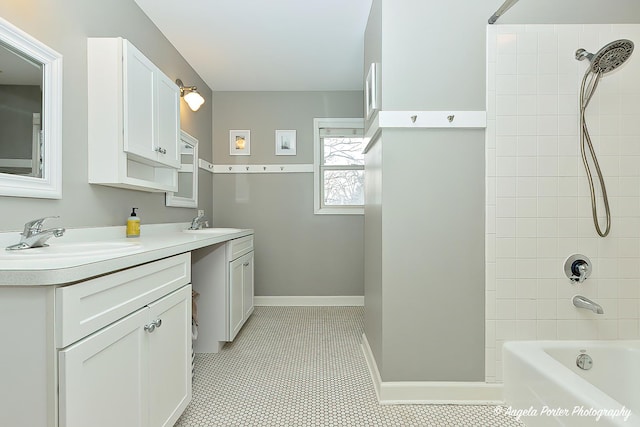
pixel 133 224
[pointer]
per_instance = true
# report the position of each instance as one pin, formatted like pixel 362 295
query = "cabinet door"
pixel 139 99
pixel 102 378
pixel 168 121
pixel 236 310
pixel 247 285
pixel 169 358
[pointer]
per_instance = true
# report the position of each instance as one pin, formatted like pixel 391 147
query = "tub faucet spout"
pixel 583 302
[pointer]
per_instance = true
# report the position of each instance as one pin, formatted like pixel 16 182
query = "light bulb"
pixel 194 99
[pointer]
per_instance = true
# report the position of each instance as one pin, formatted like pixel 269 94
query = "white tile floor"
pixel 304 366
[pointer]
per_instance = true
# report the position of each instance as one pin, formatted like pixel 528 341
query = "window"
pixel 338 166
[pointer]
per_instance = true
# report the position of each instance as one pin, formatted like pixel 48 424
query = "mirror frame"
pixel 185 202
pixel 50 185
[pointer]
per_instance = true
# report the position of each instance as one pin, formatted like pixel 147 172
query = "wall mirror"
pixel 30 116
pixel 187 194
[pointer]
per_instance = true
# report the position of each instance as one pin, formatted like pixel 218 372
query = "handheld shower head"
pixel 610 57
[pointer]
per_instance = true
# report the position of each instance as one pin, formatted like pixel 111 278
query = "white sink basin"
pixel 213 231
pixel 80 249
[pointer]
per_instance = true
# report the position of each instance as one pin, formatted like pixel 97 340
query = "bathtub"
pixel 543 386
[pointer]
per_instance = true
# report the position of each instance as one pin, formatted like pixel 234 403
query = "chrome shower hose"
pixel 587 89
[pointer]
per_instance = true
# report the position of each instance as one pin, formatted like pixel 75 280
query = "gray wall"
pixel 64 26
pixel 18 104
pixel 297 253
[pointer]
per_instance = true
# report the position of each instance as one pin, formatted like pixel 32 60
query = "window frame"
pixel 318 182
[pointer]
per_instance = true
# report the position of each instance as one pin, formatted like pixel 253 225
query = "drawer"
pixel 239 247
pixel 85 307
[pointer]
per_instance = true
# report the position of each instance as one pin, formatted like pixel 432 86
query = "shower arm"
pixel 501 10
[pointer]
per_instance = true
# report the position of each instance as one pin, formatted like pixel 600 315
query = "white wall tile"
pixel 524 85
pixel 506 44
pixel 505 309
pixel 547 329
pixel 547 84
pixel 506 125
pixel 526 187
pixel 505 166
pixel 526 247
pixel 527 104
pixel 539 205
pixel 506 105
pixel 506 146
pixel 506 84
pixel 505 187
pixel 526 329
pixel 547 208
pixel 527 43
pixel 547 247
pixel 548 144
pixel 546 309
pixel 506 64
pixel 548 186
pixel 527 145
pixel 505 247
pixel 526 288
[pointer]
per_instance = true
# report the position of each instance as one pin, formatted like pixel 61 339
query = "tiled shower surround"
pixel 538 209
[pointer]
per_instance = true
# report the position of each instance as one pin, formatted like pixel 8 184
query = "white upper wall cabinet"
pixel 134 119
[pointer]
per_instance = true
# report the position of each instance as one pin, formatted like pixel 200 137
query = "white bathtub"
pixel 544 386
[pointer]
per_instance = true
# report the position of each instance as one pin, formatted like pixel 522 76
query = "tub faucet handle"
pixel 581 269
pixel 577 268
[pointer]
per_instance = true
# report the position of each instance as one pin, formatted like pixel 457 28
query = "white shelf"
pixel 289 168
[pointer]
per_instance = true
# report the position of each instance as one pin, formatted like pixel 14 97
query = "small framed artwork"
pixel 371 91
pixel 285 143
pixel 240 142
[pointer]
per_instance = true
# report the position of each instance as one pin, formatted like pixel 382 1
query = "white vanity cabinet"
pixel 240 289
pixel 134 119
pixel 113 350
pixel 135 371
pixel 223 276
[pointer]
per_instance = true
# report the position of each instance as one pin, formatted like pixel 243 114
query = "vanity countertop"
pixel 19 268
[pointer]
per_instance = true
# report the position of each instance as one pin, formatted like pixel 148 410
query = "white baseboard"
pixel 345 300
pixel 430 392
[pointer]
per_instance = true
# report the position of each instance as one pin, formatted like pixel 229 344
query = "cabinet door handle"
pixel 246 264
pixel 153 325
pixel 161 150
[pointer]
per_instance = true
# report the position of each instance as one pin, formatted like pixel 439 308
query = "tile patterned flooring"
pixel 304 366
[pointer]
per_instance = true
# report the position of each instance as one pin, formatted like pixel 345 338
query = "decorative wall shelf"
pixel 432 119
pixel 287 168
pixel 423 120
pixel 203 164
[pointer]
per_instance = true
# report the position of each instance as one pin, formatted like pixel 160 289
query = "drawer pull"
pixel 157 322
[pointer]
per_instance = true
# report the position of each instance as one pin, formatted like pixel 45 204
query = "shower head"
pixel 610 57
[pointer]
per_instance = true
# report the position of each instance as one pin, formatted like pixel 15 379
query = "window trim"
pixel 319 123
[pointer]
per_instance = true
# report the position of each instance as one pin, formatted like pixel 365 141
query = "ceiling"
pixel 267 45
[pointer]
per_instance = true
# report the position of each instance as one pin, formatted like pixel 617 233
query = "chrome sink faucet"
pixel 33 236
pixel 198 222
pixel 583 302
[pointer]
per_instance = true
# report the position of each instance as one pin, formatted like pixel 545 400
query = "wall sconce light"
pixel 190 95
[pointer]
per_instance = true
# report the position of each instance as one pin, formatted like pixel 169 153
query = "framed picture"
pixel 285 143
pixel 371 91
pixel 240 142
